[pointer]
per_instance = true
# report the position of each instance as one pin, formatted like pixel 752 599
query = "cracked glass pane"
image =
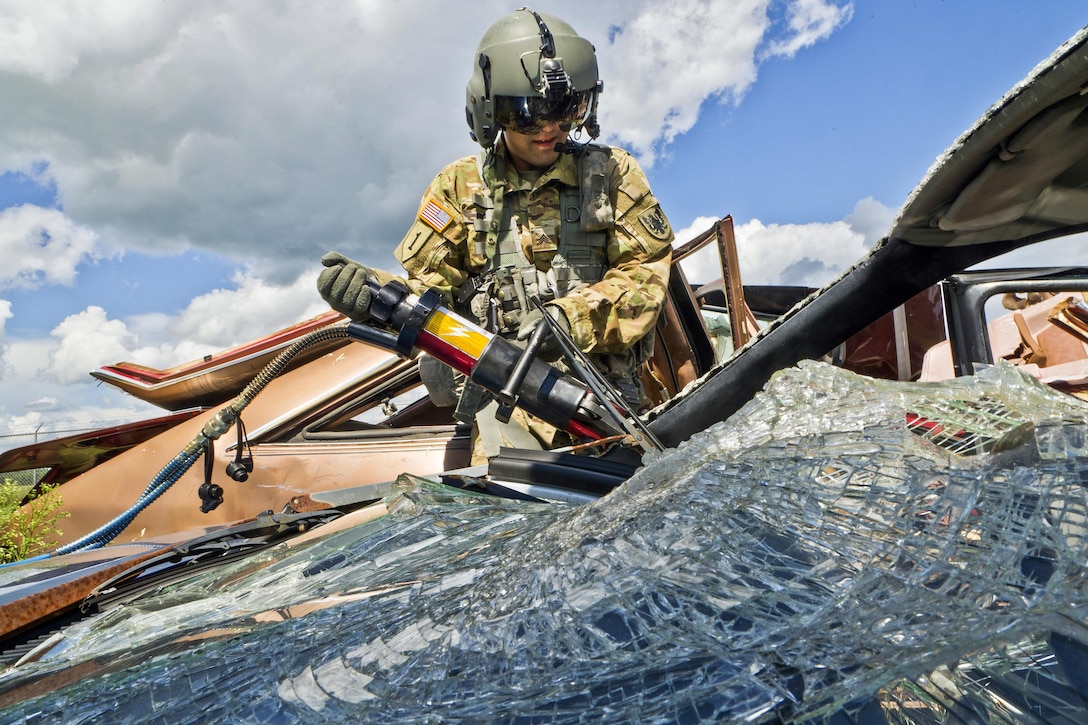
pixel 842 548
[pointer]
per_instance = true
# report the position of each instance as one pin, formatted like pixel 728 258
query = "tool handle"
pixel 509 393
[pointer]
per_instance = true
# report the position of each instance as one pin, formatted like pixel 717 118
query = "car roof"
pixel 1019 172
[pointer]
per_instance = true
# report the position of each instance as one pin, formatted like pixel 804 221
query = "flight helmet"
pixel 531 68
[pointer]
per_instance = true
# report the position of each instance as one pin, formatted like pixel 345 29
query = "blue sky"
pixel 863 113
pixel 169 175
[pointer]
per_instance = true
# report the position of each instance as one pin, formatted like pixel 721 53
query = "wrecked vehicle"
pixel 353 414
pixel 833 547
pixel 1033 318
pixel 342 414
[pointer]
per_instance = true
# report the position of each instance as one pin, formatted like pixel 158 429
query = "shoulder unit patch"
pixel 435 216
pixel 656 223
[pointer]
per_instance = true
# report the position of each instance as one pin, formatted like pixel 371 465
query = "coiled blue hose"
pixel 165 478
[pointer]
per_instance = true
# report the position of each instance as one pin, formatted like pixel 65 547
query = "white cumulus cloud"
pixel 211 322
pixel 682 53
pixel 268 134
pixel 42 246
pixel 5 315
pixel 273 133
pixel 809 21
pixel 808 255
pixel 85 336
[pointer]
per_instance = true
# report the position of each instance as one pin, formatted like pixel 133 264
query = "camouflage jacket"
pixel 442 249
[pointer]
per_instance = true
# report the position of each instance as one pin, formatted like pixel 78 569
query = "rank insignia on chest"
pixel 655 222
pixel 435 216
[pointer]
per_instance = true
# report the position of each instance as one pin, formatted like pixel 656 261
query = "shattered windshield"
pixel 870 550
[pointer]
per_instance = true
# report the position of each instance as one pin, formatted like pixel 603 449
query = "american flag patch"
pixel 435 216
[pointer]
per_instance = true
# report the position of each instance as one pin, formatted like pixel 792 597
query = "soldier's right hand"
pixel 344 284
pixel 550 350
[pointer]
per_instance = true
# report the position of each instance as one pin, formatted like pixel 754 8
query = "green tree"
pixel 31 529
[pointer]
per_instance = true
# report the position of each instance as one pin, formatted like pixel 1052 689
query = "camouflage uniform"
pixel 451 248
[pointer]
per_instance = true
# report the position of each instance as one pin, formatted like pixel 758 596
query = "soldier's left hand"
pixel 345 285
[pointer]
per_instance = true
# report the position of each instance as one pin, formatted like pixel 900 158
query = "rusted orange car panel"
pixel 64 584
pixel 282 468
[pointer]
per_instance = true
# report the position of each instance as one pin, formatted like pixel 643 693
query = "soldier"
pixel 535 214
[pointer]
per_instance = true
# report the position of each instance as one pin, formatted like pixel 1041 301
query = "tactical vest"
pixel 498 298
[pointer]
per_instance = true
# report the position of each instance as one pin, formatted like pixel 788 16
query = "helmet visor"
pixel 529 114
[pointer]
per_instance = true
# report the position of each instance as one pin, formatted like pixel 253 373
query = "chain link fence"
pixel 41 434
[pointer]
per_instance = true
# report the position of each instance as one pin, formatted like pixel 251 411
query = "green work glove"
pixel 550 349
pixel 344 285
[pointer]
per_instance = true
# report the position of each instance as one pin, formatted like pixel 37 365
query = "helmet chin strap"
pixel 590 124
